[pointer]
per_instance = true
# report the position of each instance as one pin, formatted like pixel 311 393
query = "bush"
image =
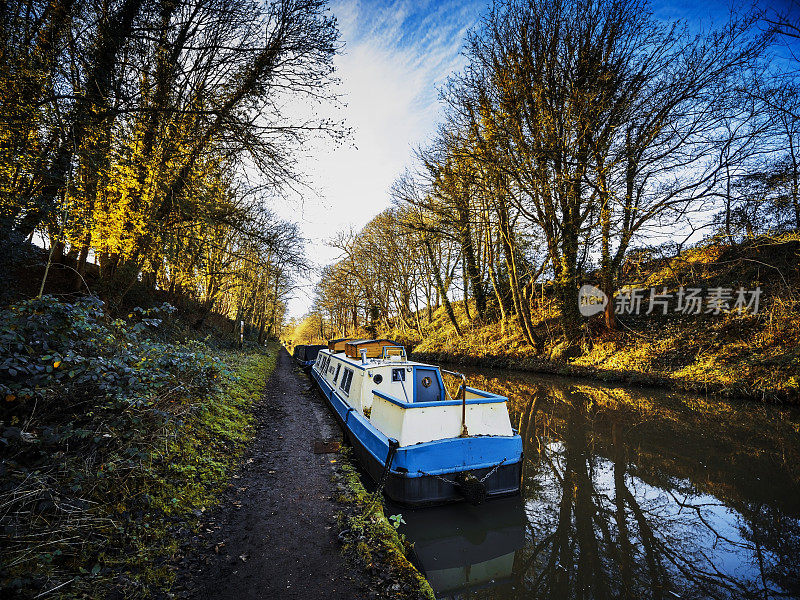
pixel 95 419
pixel 55 351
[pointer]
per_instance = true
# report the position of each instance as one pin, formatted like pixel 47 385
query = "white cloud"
pixel 396 55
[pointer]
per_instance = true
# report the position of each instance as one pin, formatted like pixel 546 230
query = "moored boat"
pixel 426 445
pixel 306 355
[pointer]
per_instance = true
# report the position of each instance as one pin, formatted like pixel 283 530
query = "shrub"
pixel 62 352
pixel 95 414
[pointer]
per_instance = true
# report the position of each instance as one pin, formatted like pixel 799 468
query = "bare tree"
pixel 604 120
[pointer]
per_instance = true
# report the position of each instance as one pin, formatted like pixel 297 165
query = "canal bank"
pixel 754 358
pixel 707 348
pixel 564 368
pixel 276 532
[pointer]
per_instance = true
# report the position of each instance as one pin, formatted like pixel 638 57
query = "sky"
pixel 396 55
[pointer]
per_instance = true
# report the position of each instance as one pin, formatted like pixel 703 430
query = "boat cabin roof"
pixel 374 348
pixel 337 345
pixel 379 361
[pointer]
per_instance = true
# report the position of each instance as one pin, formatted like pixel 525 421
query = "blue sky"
pixel 396 55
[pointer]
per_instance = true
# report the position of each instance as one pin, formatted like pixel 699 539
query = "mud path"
pixel 273 536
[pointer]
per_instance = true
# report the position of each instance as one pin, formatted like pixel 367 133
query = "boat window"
pixel 338 368
pixel 398 374
pixel 377 379
pixel 347 379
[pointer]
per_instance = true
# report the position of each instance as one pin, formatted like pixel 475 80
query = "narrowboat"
pixel 305 355
pixel 422 444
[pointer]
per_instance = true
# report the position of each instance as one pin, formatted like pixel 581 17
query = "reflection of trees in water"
pixel 603 526
pixel 774 535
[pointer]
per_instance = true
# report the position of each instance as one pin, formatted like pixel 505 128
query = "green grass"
pixel 370 538
pixel 136 497
pixel 194 469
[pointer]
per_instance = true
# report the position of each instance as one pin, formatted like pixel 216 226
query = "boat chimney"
pixel 363 357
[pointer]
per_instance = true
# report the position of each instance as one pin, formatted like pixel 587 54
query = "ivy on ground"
pixel 111 441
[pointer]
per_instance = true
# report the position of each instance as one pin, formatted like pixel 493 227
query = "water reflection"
pixel 631 494
pixel 470 548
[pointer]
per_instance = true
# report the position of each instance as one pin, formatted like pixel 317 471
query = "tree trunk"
pixel 567 293
pixel 606 268
pixel 471 267
pixel 501 303
pixel 437 277
pixel 466 291
pixel 78 279
pixel 795 186
pixel 520 305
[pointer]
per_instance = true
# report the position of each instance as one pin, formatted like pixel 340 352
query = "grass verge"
pixel 372 542
pixel 194 470
pixel 96 510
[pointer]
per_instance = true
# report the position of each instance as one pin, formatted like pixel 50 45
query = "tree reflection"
pixel 774 535
pixel 616 509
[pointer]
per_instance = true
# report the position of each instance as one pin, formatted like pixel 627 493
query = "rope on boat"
pixel 469 486
pixel 393 446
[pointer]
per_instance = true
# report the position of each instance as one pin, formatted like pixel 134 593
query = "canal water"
pixel 627 493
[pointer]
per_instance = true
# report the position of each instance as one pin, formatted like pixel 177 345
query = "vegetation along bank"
pixel 113 443
pixel 737 354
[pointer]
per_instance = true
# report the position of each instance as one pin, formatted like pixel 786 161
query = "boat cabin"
pixel 338 344
pixel 403 399
pixel 307 354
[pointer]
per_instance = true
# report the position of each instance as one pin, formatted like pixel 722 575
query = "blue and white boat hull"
pixel 430 472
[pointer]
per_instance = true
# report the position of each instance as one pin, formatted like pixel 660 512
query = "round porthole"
pixel 377 379
pixel 426 382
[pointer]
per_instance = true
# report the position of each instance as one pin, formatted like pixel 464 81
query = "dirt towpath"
pixel 273 536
